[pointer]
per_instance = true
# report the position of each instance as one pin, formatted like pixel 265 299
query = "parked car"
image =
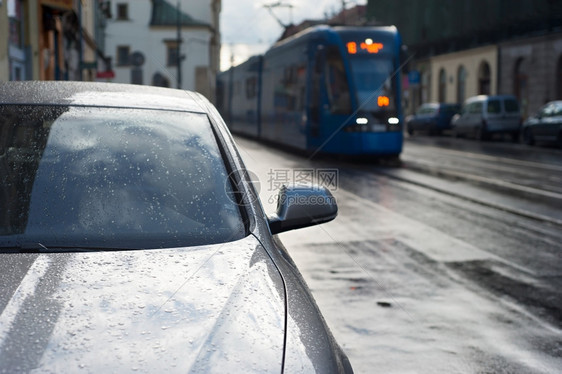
pixel 482 116
pixel 132 239
pixel 545 125
pixel 432 118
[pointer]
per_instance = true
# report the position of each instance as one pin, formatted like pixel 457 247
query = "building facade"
pixel 49 40
pixel 532 70
pixel 452 77
pixel 458 49
pixel 165 43
pixel 4 40
pixel 14 51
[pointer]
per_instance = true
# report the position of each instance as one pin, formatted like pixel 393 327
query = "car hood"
pixel 216 308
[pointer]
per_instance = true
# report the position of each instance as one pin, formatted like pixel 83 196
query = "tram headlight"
pixel 393 121
pixel 361 121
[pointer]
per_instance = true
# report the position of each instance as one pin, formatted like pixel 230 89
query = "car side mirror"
pixel 302 206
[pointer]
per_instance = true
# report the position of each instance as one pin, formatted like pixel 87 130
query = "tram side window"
pixel 251 87
pixel 336 83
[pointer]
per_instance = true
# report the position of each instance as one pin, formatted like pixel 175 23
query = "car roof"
pixel 488 97
pixel 100 95
pixel 436 104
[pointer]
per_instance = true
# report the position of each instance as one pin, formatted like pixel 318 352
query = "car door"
pixel 544 122
pixel 416 118
pixel 511 115
pixel 462 121
pixel 494 114
pixel 557 128
pixel 531 124
pixel 553 127
pixel 476 116
pixel 424 116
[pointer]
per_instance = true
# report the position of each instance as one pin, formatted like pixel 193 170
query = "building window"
pixel 461 84
pixel 172 54
pixel 123 55
pixel 105 8
pixel 442 86
pixel 484 79
pixel 122 11
pixel 15 19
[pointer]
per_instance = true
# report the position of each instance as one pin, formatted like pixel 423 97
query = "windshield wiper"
pixel 35 247
pixel 26 247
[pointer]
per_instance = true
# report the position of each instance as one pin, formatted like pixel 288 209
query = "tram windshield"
pixel 374 82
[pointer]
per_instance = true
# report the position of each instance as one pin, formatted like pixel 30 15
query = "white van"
pixel 482 116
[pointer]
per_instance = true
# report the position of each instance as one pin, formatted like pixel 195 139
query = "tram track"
pixel 505 177
pixel 508 174
pixel 503 207
pixel 511 188
pixel 485 194
pixel 496 159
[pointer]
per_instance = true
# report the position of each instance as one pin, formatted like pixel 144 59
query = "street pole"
pixel 178 61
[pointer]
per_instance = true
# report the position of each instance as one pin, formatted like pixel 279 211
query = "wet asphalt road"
pixel 447 262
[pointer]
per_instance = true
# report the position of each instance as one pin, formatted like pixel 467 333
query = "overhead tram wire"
pixel 279 4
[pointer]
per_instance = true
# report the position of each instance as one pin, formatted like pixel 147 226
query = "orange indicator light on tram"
pixel 372 47
pixel 368 46
pixel 352 48
pixel 383 101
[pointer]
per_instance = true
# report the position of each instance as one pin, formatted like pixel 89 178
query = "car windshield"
pixel 494 106
pixel 427 109
pixel 511 106
pixel 112 178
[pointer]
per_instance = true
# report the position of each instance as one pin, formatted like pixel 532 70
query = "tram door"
pixel 330 99
pixel 315 100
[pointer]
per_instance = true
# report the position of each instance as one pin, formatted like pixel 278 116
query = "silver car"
pixel 132 240
pixel 483 116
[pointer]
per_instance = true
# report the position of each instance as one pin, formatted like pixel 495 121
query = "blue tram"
pixel 332 90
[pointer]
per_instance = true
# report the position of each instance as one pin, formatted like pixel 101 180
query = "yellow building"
pixel 48 40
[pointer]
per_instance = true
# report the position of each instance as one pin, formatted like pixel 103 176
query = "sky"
pixel 247 28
